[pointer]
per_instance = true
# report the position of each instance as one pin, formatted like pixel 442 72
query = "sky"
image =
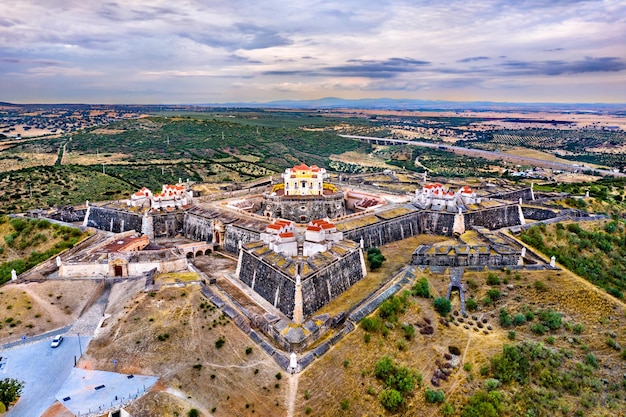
pixel 189 52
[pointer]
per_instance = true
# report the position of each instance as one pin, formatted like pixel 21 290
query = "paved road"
pixel 490 155
pixel 43 370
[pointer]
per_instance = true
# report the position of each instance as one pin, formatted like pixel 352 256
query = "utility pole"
pixel 103 168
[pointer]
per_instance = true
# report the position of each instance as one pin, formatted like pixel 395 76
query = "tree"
pixel 375 258
pixel 391 399
pixel 421 288
pixel 442 305
pixel 10 390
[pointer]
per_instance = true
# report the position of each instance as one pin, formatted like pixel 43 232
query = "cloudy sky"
pixel 184 51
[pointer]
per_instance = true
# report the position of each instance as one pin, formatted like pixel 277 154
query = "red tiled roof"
pixel 314 228
pixel 286 234
pixel 301 167
pixel 274 226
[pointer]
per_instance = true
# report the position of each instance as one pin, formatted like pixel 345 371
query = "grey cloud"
pixel 603 64
pixel 474 59
pixel 388 68
pixel 240 36
pixel 375 69
pixel 9 22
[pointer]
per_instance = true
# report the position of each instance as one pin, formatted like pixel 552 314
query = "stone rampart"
pixel 167 224
pixel 198 228
pixel 494 218
pixel 525 194
pixel 271 284
pixel 387 231
pixel 236 234
pixel 538 213
pixel 325 285
pixel 113 220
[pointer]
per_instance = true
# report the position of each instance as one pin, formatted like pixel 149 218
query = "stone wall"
pixel 494 218
pixel 538 213
pixel 525 194
pixel 438 223
pixel 167 224
pixel 387 231
pixel 274 286
pixel 236 234
pixel 112 220
pixel 198 228
pixel 69 214
pixel 325 285
pixel 303 209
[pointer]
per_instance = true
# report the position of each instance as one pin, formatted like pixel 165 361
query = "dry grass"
pixel 133 338
pixel 397 255
pixel 173 277
pixel 358 158
pixel 28 160
pixel 36 308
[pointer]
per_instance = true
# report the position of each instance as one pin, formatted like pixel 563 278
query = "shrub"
pixel 612 343
pixel 551 319
pixel 519 319
pixel 591 360
pixel 491 384
pixel 220 342
pixel 409 331
pixel 538 329
pixel 367 337
pixel 421 288
pixel 345 404
pixel 447 409
pixel 279 376
pixel 471 304
pixel 467 366
pixel 248 350
pixel 511 335
pixel 578 328
pixel 371 324
pixel 540 286
pixel 193 413
pixel 308 410
pixel 493 279
pixel 164 336
pixel 434 396
pixel 494 294
pixel 442 305
pixel 391 399
pixel 505 318
pixel 197 366
pixel 484 404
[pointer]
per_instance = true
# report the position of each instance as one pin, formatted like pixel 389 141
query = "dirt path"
pixel 292 394
pixel 44 304
pixel 176 393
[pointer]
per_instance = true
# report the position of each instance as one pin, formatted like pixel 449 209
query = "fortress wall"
pixel 267 282
pixel 494 218
pixel 538 213
pixel 321 288
pixel 168 224
pixel 236 234
pixel 198 228
pixel 112 220
pixel 525 194
pixel 438 223
pixel 388 231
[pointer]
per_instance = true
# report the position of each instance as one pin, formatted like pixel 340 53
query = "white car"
pixel 56 341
